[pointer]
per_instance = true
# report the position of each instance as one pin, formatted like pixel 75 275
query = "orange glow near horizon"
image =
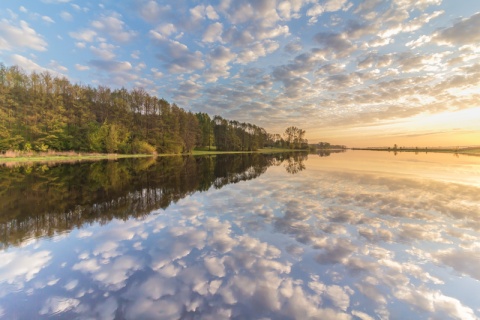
pixel 457 128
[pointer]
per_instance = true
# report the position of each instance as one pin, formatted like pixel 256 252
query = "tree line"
pixel 41 111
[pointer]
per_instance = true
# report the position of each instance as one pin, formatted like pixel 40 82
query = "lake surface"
pixel 353 235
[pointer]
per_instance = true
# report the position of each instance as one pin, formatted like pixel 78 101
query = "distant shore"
pixel 72 156
pixel 474 151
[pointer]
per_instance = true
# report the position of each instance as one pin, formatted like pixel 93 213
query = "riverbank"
pixel 475 151
pixel 66 157
pixel 21 157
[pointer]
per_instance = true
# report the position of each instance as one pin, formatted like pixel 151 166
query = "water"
pixel 354 235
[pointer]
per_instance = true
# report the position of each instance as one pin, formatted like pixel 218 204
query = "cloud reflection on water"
pixel 321 244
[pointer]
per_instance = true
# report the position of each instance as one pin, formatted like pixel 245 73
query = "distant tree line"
pixel 327 145
pixel 40 112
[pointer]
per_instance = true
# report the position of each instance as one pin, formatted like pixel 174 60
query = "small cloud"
pixel 135 54
pixel 213 32
pixel 47 19
pixel 256 51
pixel 329 6
pixel 57 66
pixel 293 47
pixel 335 43
pixel 166 29
pixel 422 40
pixel 86 35
pixel 211 13
pixel 151 11
pixel 66 16
pixel 23 9
pixel 111 66
pixel 157 74
pixel 104 51
pixel 197 13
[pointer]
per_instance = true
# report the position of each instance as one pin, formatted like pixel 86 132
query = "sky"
pixel 358 73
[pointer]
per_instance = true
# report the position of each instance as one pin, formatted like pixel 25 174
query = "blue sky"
pixel 350 72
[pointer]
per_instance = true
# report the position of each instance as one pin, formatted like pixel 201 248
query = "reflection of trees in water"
pixel 328 152
pixel 294 164
pixel 40 201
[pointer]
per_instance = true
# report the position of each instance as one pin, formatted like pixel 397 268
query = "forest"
pixel 42 112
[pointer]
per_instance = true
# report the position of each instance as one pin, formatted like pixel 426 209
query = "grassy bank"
pixel 10 157
pixel 19 157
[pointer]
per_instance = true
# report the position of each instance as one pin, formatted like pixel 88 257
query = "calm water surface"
pixel 354 235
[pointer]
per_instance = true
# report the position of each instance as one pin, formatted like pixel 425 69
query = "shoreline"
pixel 468 151
pixel 66 157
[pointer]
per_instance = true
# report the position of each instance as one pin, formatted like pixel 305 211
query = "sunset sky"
pixel 359 73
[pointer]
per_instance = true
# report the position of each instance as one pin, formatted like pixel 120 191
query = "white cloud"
pixel 27 64
pixel 166 29
pixel 435 302
pixel 197 13
pixel 80 67
pixel 55 305
pixel 368 6
pixel 213 32
pixel 422 40
pixel 269 33
pixel 176 55
pixel 219 60
pixel 211 13
pixel 86 35
pixel 215 266
pixel 111 66
pixel 157 74
pixel 464 32
pixel 18 267
pixel 20 37
pixel 338 295
pixel 420 21
pixel 152 12
pixel 464 262
pixel 23 9
pixel 290 9
pixel 55 65
pixel 66 16
pixel 293 47
pixel 104 51
pixel 135 54
pixel 338 45
pixel 47 19
pixel 256 51
pixel 416 4
pixel 114 27
pixel 329 6
pixel 262 14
